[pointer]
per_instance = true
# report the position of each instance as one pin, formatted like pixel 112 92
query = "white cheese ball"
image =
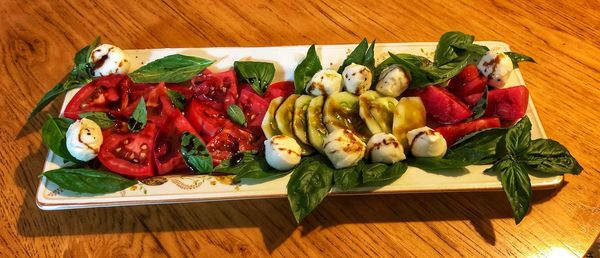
pixel 393 81
pixel 343 148
pixel 109 59
pixel 84 138
pixel 282 152
pixel 357 78
pixel 426 142
pixel 324 83
pixel 497 67
pixel 385 148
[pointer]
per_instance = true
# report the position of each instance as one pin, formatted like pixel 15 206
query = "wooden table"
pixel 38 40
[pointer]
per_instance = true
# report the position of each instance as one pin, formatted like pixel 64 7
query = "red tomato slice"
pixel 221 88
pixel 232 139
pixel 207 121
pixel 167 150
pixel 443 107
pixel 467 82
pixel 279 89
pixel 106 94
pixel 129 154
pixel 456 131
pixel 254 108
pixel 158 105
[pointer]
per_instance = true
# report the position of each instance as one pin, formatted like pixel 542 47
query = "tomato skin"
pixel 279 89
pixel 443 107
pixel 129 154
pixel 456 131
pixel 254 108
pixel 509 104
pixel 108 94
pixel 467 82
pixel 220 88
pixel 207 121
pixel 167 149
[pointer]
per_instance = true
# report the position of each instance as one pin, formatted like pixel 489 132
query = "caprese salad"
pixel 362 124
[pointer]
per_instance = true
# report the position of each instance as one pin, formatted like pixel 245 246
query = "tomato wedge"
pixel 129 154
pixel 207 121
pixel 279 89
pixel 254 108
pixel 158 105
pixel 232 139
pixel 218 88
pixel 467 82
pixel 167 150
pixel 106 94
pixel 456 131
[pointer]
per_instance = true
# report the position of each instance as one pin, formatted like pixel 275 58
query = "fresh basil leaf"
pixel 357 55
pixel 549 157
pixel 309 184
pixel 54 137
pixel 471 47
pixel 516 58
pixel 195 154
pixel 369 60
pixel 479 108
pixel 478 147
pixel 414 60
pixel 138 118
pixel 516 185
pixel 444 52
pixel 442 73
pixel 347 178
pixel 83 55
pixel 437 164
pixel 84 180
pixel 306 69
pixel 101 118
pixel 236 114
pixel 378 172
pixel 58 89
pixel 248 165
pixel 418 76
pixel 177 99
pixel 518 137
pixel 170 69
pixel 258 74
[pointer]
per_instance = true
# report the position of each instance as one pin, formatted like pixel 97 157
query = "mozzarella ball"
pixel 392 81
pixel 282 152
pixel 357 78
pixel 385 148
pixel 108 59
pixel 426 142
pixel 343 148
pixel 497 67
pixel 324 83
pixel 84 138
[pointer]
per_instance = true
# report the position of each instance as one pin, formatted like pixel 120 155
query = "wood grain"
pixel 39 38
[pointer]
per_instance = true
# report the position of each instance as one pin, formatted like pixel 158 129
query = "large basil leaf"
pixel 306 69
pixel 248 165
pixel 258 74
pixel 54 133
pixel 478 147
pixel 518 137
pixel 470 47
pixel 79 75
pixel 441 73
pixel 516 185
pixel 414 60
pixel 516 58
pixel 170 69
pixel 378 172
pixel 369 60
pixel 347 178
pixel 101 118
pixel 309 184
pixel 437 164
pixel 357 55
pixel 138 118
pixel 195 154
pixel 550 157
pixel 445 52
pixel 83 180
pixel 418 76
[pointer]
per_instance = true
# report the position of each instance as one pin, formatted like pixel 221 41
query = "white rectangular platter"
pixel 179 189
